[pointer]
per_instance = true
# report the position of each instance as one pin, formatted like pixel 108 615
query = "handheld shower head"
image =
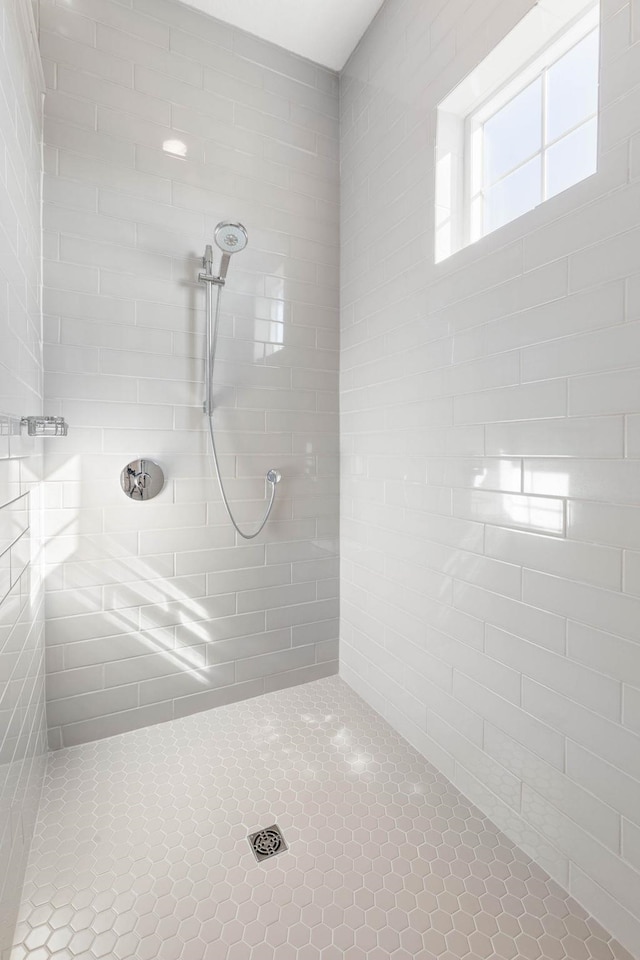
pixel 230 238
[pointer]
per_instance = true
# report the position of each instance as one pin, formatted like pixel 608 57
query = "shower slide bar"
pixel 230 238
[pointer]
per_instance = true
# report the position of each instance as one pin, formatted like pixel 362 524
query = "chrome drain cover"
pixel 267 843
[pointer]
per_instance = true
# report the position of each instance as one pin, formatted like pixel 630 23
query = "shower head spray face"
pixel 231 237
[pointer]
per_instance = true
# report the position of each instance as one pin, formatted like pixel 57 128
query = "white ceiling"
pixel 326 31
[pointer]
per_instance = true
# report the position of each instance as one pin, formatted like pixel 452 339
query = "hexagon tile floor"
pixel 141 849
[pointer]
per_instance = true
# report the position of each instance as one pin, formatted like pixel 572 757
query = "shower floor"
pixel 141 848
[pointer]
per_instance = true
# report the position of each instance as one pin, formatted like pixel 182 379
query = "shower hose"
pixel 272 477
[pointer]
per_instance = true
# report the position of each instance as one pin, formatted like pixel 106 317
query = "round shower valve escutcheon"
pixel 142 479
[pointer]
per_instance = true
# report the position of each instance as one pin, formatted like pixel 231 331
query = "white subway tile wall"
pixel 155 610
pixel 23 731
pixel 491 471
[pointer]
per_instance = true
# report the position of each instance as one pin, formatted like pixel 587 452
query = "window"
pixel 522 128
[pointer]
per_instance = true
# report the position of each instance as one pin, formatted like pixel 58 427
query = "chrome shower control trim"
pixel 46 426
pixel 142 479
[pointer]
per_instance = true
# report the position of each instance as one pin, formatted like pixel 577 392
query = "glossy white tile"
pixel 590 563
pixel 22 649
pixel 610 483
pixel 131 222
pixel 508 449
pixel 605 610
pixel 613 348
pixel 592 814
pixel 572 437
pixel 610 740
pixel 588 687
pixel 631 708
pixel 540 514
pixel 604 393
pixel 524 402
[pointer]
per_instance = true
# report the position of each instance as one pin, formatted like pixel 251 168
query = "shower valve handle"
pixel 142 479
pixel 139 480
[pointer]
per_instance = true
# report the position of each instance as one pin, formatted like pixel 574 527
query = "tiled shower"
pixel 459 444
pixel 137 595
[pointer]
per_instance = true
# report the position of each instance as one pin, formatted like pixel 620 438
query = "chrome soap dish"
pixel 46 426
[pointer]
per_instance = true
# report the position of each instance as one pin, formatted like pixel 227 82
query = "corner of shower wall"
pixel 23 741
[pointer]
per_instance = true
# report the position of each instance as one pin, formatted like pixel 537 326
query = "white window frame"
pixel 543 36
pixel 474 228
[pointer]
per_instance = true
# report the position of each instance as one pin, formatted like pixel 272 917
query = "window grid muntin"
pixel 538 153
pixel 475 126
pixel 499 110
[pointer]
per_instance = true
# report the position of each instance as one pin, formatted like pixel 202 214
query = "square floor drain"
pixel 267 843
